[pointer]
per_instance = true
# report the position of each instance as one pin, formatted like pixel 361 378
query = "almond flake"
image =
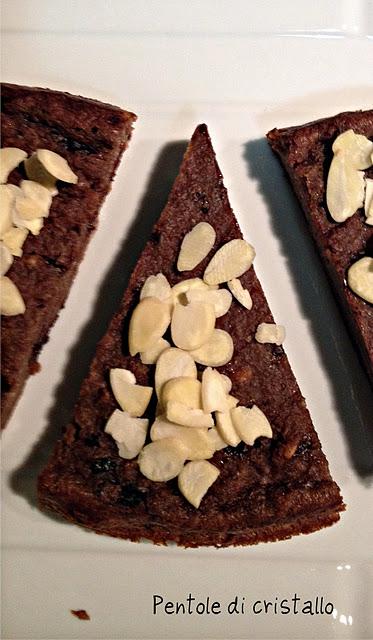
pixel 181 414
pixel 218 350
pixel 162 460
pixel 360 278
pixel 368 204
pixel 345 188
pixel 195 479
pixel 11 301
pixel 10 158
pixel 227 383
pixel 270 333
pixel 173 363
pixel 221 299
pixel 232 260
pixel 148 323
pixel 6 201
pixel 14 239
pixel 183 389
pixel 232 402
pixel 192 325
pixel 242 295
pixel 180 289
pixel 215 439
pixel 156 287
pixel 198 444
pixel 56 165
pixel 131 397
pixel 36 172
pixel 226 428
pixel 34 201
pixel 151 355
pixel 195 246
pixel 356 147
pixel 128 432
pixel 214 397
pixel 6 258
pixel 35 225
pixel 250 424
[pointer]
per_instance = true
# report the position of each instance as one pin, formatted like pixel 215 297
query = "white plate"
pixel 242 68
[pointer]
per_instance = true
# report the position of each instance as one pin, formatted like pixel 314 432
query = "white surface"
pixel 177 64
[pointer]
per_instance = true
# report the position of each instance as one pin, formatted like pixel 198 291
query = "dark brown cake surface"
pixel 272 490
pixel 91 136
pixel 306 154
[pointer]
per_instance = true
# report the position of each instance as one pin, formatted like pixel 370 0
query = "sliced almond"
pixel 34 201
pixel 221 299
pixel 128 432
pixel 345 188
pixel 195 246
pixel 192 325
pixel 226 428
pixel 242 295
pixel 151 355
pixel 360 278
pixel 10 158
pixel 11 301
pixel 270 333
pixel 214 397
pixel 56 165
pixel 35 171
pixel 131 397
pixel 218 350
pixel 162 460
pixel 148 323
pixel 183 389
pixel 6 259
pixel 195 479
pixel 250 424
pixel 156 287
pixel 227 383
pixel 368 204
pixel 356 147
pixel 35 225
pixel 231 261
pixel 215 440
pixel 14 239
pixel 198 444
pixel 6 206
pixel 181 414
pixel 173 363
pixel 232 402
pixel 180 289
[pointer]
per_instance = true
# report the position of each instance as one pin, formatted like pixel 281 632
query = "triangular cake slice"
pixel 278 487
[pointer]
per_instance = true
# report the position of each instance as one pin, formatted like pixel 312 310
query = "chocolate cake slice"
pixel 279 487
pixel 91 137
pixel 306 154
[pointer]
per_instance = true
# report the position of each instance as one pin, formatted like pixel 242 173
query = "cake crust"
pixel 91 136
pixel 275 489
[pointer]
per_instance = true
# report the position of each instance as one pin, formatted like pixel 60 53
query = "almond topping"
pixel 215 440
pixel 162 460
pixel 214 397
pixel 180 289
pixel 14 239
pixel 195 246
pixel 10 158
pixel 242 295
pixel 128 432
pixel 148 323
pixel 35 225
pixel 368 204
pixel 33 201
pixel 360 278
pixel 156 287
pixel 6 258
pixel 11 301
pixel 35 171
pixel 173 363
pixel 270 333
pixel 218 350
pixel 231 261
pixel 195 479
pixel 232 402
pixel 131 397
pixel 192 325
pixel 6 201
pixel 183 389
pixel 344 189
pixel 227 383
pixel 56 165
pixel 226 428
pixel 250 424
pixel 197 442
pixel 357 149
pixel 221 299
pixel 187 417
pixel 151 355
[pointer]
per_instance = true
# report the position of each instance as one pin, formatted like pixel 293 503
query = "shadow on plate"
pixel 23 479
pixel 350 386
